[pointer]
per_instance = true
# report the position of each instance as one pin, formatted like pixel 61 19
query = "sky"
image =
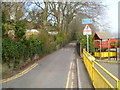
pixel 112 14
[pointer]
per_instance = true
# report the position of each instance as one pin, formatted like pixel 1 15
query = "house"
pixel 32 32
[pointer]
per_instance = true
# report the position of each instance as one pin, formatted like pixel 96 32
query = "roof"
pixel 32 30
pixel 102 36
pixel 53 33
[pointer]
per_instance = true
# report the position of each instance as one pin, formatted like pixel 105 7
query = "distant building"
pixel 53 32
pixel 32 32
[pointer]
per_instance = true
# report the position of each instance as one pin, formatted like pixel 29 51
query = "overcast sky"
pixel 112 14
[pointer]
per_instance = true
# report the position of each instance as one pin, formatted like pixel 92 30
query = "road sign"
pixel 86 21
pixel 87 30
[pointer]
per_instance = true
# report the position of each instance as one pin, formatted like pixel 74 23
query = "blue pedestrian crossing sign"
pixel 87 21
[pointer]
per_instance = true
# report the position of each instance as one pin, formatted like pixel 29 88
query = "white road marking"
pixel 78 70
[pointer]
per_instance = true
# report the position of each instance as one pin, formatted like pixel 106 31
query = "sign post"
pixel 87 31
pixel 87 43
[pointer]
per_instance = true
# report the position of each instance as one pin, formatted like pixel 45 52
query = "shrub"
pixel 20 29
pixel 13 51
pixel 27 48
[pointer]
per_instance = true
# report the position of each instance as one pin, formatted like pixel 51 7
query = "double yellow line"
pixel 19 74
pixel 68 77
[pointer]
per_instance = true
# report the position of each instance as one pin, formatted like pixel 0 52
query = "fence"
pixel 98 79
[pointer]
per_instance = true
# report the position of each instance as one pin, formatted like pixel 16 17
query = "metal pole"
pixel 100 49
pixel 108 50
pixel 80 49
pixel 87 44
pixel 116 53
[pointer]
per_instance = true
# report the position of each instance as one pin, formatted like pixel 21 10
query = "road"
pixel 51 71
pixel 54 71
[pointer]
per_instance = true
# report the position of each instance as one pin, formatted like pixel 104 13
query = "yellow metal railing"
pixel 98 79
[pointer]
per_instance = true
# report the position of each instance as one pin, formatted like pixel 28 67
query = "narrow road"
pixel 51 71
pixel 57 70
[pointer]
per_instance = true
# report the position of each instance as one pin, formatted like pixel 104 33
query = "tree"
pixel 91 10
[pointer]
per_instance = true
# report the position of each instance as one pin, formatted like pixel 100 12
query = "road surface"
pixel 51 71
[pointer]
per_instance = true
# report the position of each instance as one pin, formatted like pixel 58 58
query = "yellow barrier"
pixel 98 80
pixel 104 54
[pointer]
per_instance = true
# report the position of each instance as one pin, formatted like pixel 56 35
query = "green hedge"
pixel 15 51
pixel 19 48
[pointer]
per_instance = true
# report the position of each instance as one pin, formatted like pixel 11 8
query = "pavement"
pixel 113 69
pixel 84 77
pixel 53 71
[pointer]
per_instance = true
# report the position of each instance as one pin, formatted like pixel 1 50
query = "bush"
pixel 20 29
pixel 27 48
pixel 13 51
pixel 82 38
pixel 17 48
